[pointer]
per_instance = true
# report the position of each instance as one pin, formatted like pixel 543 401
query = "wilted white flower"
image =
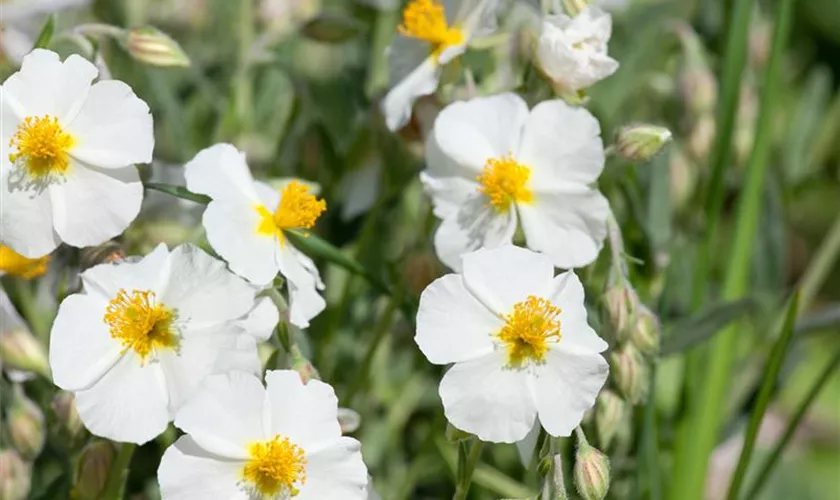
pixel 67 169
pixel 520 343
pixel 432 34
pixel 136 344
pixel 246 441
pixel 19 23
pixel 492 164
pixel 572 52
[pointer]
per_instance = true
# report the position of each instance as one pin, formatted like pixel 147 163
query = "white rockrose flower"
pixel 431 35
pixel 67 169
pixel 245 441
pixel 519 342
pixel 492 164
pixel 19 23
pixel 140 338
pixel 572 52
pixel 246 221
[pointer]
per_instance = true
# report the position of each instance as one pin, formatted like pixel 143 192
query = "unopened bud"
pixel 646 335
pixel 609 413
pixel 697 81
pixel 349 420
pixel 701 136
pixel 70 425
pixel 620 301
pixel 303 366
pixel 591 472
pixel 17 265
pixel 19 349
pixel 151 46
pixel 94 465
pixel 640 143
pixel 25 422
pixel 631 373
pixel 15 476
pixel 683 178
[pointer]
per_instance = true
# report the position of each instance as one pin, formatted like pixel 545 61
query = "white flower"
pixel 520 345
pixel 490 163
pixel 143 335
pixel 245 442
pixel 20 24
pixel 245 224
pixel 67 155
pixel 573 52
pixel 431 35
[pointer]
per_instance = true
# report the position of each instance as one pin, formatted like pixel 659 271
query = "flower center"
pixel 298 209
pixel 16 264
pixel 41 146
pixel 426 20
pixel 140 323
pixel 504 181
pixel 529 329
pixel 275 469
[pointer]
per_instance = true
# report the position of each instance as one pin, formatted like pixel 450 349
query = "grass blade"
pixel 703 326
pixel 46 34
pixel 178 192
pixel 765 393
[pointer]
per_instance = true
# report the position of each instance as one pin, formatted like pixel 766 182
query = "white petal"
pixel 114 127
pixel 187 472
pixel 196 358
pixel 232 231
pixel 94 205
pixel 304 300
pixel 485 398
pixel 569 227
pixel 242 356
pixel 128 404
pixel 565 386
pixel 221 173
pixel 225 414
pixel 269 196
pixel 261 320
pixel 472 132
pixel 81 346
pixel 46 86
pixel 306 414
pixel 504 276
pixel 202 289
pixel 26 225
pixel 476 225
pixel 452 325
pixel 304 304
pixel 481 20
pixel 528 445
pixel 398 103
pixel 568 295
pixel 149 273
pixel 336 472
pixel 448 194
pixel 561 143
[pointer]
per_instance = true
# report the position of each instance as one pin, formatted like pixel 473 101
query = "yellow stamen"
pixel 298 209
pixel 140 323
pixel 276 469
pixel 529 329
pixel 16 264
pixel 505 181
pixel 426 20
pixel 41 146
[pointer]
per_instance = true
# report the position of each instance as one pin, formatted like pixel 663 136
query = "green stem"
pixel 467 461
pixel 115 484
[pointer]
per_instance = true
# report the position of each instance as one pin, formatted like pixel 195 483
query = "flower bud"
pixel 646 334
pixel 26 425
pixel 69 423
pixel 303 366
pixel 94 465
pixel 697 81
pixel 640 143
pixel 683 178
pixel 15 476
pixel 621 309
pixel 15 264
pixel 701 136
pixel 151 46
pixel 349 420
pixel 630 371
pixel 591 472
pixel 19 349
pixel 609 413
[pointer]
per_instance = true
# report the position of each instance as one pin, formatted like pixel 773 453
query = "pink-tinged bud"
pixel 25 422
pixel 646 335
pixel 69 423
pixel 106 253
pixel 151 46
pixel 620 304
pixel 630 372
pixel 591 472
pixel 20 350
pixel 15 476
pixel 610 411
pixel 94 465
pixel 303 366
pixel 640 143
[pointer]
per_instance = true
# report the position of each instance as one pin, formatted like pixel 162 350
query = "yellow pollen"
pixel 505 181
pixel 426 20
pixel 42 146
pixel 16 264
pixel 275 469
pixel 140 323
pixel 529 329
pixel 298 209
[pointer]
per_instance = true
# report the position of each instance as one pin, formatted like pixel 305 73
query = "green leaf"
pixel 332 28
pixel 765 394
pixel 703 326
pixel 45 37
pixel 179 192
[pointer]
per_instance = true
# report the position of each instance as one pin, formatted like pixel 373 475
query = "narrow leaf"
pixel 179 192
pixel 703 326
pixel 45 37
